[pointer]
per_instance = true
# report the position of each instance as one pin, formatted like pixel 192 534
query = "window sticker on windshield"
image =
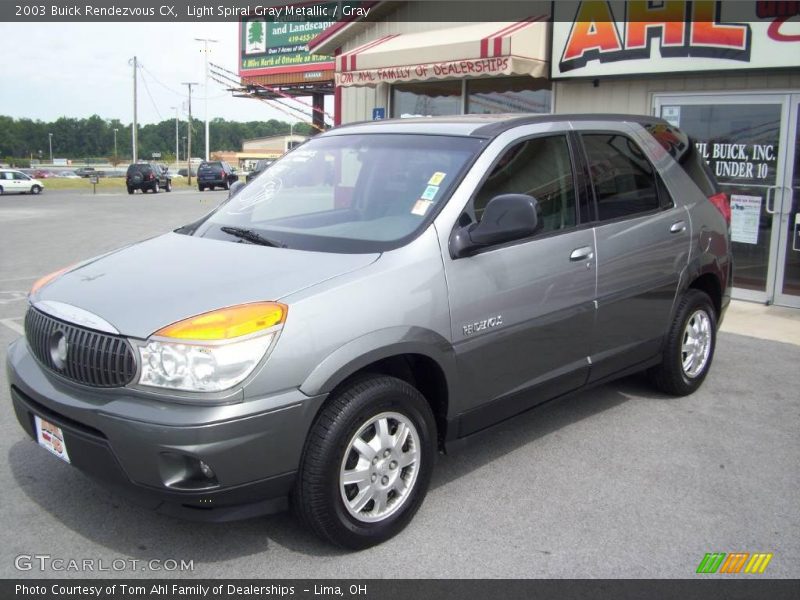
pixel 430 192
pixel 421 207
pixel 437 178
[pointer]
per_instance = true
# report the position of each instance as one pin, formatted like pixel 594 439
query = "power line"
pixel 176 92
pixel 149 95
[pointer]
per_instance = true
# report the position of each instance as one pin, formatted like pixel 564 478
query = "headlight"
pixel 213 351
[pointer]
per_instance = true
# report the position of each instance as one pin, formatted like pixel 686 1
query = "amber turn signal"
pixel 227 323
pixel 43 281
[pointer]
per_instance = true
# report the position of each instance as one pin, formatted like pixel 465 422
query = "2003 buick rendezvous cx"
pixel 378 293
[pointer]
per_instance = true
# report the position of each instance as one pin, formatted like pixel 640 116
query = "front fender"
pixel 378 345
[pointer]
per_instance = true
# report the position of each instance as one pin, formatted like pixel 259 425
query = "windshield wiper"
pixel 252 237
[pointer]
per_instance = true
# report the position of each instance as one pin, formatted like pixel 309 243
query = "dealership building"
pixel 733 85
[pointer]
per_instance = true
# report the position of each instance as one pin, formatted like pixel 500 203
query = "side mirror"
pixel 507 217
pixel 235 188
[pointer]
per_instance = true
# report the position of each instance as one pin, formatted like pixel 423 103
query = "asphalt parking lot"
pixel 619 481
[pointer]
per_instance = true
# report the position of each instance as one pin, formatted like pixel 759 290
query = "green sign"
pixel 272 45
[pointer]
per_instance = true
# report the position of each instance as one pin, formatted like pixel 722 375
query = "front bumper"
pixel 128 441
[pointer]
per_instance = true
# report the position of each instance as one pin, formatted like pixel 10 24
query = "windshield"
pixel 348 193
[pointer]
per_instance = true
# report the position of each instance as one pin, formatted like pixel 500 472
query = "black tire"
pixel 130 190
pixel 168 187
pixel 36 189
pixel 227 185
pixel 670 376
pixel 156 188
pixel 317 498
pixel 1 190
pixel 201 188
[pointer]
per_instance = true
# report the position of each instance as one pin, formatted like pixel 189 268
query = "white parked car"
pixel 14 181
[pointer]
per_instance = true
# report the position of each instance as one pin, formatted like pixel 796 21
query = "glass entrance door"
pixel 787 277
pixel 746 140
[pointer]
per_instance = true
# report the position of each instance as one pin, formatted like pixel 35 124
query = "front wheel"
pixel 689 347
pixel 36 189
pixel 367 463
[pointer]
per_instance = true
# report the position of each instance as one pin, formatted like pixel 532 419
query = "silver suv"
pixel 374 296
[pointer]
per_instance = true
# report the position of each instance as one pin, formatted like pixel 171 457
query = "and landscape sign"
pixel 274 45
pixel 596 38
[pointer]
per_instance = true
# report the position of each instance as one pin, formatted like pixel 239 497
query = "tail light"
pixel 151 176
pixel 723 205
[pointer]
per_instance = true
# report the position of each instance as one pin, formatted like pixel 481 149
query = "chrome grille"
pixel 92 358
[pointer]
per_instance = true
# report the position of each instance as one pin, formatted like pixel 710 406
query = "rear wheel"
pixel 156 188
pixel 367 462
pixel 689 348
pixel 168 187
pixel 227 185
pixel 1 190
pixel 130 190
pixel 36 189
pixel 201 188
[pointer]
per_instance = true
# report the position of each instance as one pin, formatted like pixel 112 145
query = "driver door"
pixel 522 313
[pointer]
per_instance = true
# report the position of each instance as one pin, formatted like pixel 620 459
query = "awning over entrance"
pixel 476 50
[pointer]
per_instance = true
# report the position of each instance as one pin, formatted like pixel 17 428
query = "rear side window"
pixel 623 179
pixel 539 167
pixel 682 148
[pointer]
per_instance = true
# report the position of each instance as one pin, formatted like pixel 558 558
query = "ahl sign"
pixel 596 38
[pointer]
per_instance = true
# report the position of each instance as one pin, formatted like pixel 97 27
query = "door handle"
pixel 584 253
pixel 677 227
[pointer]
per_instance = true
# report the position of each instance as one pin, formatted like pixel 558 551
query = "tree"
pixel 255 34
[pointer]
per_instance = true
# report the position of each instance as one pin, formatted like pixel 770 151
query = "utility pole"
pixel 133 130
pixel 189 146
pixel 50 135
pixel 115 147
pixel 177 147
pixel 205 50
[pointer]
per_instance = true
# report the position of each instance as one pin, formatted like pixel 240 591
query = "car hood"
pixel 146 286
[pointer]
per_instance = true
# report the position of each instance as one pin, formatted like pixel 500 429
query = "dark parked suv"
pixel 215 174
pixel 148 177
pixel 379 294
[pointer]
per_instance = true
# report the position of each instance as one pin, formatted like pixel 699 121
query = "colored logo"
pixel 735 562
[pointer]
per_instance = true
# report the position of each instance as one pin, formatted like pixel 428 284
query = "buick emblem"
pixel 59 349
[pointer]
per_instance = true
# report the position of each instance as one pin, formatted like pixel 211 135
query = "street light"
pixel 50 136
pixel 115 147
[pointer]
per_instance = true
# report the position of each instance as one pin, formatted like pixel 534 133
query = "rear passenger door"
pixel 522 312
pixel 642 242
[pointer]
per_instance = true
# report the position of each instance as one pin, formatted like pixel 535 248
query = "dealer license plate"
pixel 51 438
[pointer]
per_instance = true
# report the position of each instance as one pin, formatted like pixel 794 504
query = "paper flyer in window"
pixel 745 218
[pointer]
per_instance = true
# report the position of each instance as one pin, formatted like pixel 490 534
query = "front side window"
pixel 347 193
pixel 539 167
pixel 623 179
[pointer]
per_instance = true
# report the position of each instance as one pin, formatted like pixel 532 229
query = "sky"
pixel 80 69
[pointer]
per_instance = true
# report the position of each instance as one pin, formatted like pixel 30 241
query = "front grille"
pixel 92 358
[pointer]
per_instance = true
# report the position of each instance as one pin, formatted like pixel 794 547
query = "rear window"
pixel 624 182
pixel 212 166
pixel 138 169
pixel 682 148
